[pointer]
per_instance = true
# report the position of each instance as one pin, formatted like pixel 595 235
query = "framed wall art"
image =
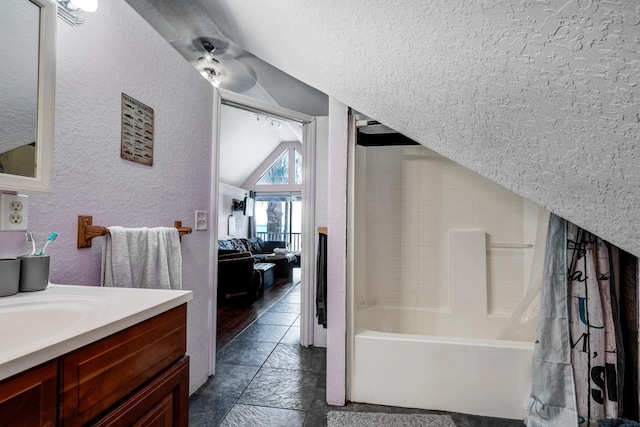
pixel 137 131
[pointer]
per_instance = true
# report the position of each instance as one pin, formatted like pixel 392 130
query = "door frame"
pixel 307 300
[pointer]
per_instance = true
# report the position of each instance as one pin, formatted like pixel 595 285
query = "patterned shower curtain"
pixel 597 352
pixel 580 359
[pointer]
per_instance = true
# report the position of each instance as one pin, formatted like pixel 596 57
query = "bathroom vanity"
pixel 78 355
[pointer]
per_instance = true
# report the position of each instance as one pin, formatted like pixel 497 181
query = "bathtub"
pixel 424 313
pixel 425 359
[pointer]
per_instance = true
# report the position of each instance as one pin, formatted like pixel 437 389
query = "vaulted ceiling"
pixel 245 142
pixel 539 97
pixel 247 139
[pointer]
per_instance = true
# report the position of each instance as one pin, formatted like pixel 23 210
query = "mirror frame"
pixel 41 183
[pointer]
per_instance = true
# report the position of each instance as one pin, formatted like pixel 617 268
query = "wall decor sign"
pixel 137 131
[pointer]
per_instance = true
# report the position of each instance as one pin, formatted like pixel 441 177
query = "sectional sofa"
pixel 237 278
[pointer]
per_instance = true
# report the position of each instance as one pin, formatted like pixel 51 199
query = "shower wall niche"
pixel 408 199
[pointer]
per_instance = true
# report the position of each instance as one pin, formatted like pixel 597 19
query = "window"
pixel 298 167
pixel 279 217
pixel 277 183
pixel 280 171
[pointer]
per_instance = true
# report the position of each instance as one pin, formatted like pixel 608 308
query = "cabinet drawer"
pixel 99 375
pixel 29 398
pixel 163 402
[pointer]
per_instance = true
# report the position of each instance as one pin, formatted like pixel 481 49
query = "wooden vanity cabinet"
pixel 29 399
pixel 136 377
pixel 164 402
pixel 98 380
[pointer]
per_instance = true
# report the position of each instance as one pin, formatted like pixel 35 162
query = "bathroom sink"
pixel 30 320
pixel 36 327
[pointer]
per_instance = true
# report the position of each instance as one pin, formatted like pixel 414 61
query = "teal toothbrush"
pixel 50 239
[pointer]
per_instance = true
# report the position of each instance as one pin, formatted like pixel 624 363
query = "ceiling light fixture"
pixel 72 11
pixel 209 67
pixel 269 120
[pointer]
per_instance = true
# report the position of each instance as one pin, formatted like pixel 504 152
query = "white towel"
pixel 142 258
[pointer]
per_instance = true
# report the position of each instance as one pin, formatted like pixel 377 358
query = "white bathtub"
pixel 399 360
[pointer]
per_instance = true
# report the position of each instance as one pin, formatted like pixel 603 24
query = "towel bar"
pixel 87 231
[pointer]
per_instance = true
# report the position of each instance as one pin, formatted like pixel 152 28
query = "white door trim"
pixel 212 319
pixel 308 123
pixel 309 235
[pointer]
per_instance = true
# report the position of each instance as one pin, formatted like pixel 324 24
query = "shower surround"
pixel 443 257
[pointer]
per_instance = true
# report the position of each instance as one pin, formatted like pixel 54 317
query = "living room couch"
pixel 262 251
pixel 258 248
pixel 237 279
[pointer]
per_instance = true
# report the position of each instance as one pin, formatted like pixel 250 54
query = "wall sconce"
pixel 237 205
pixel 72 11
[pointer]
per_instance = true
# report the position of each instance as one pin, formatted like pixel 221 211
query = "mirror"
pixel 27 83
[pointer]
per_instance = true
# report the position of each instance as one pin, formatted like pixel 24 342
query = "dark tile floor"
pixel 265 378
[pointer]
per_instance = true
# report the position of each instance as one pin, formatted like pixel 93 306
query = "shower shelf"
pixel 510 246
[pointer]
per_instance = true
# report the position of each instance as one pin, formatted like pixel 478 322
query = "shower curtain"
pixel 579 357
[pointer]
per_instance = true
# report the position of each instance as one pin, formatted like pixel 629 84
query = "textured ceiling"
pixel 539 97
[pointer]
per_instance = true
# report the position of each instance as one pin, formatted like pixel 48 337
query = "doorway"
pixel 307 206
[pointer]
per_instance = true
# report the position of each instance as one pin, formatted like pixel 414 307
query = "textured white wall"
pixel 322 201
pixel 336 254
pixel 322 170
pixel 116 51
pixel 540 97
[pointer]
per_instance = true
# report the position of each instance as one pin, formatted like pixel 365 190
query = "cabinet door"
pixel 30 398
pixel 164 402
pixel 96 377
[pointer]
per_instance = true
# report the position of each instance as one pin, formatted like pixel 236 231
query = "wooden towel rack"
pixel 87 231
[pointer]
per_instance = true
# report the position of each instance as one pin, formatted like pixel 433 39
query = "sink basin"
pixel 50 317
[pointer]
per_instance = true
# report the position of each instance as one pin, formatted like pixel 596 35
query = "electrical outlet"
pixel 201 220
pixel 14 212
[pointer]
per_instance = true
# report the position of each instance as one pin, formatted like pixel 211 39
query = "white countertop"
pixel 36 327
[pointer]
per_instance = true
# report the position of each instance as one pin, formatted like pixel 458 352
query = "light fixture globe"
pixel 72 11
pixel 211 69
pixel 86 5
pixel 211 75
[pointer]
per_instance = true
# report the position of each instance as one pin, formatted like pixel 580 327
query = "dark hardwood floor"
pixel 238 315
